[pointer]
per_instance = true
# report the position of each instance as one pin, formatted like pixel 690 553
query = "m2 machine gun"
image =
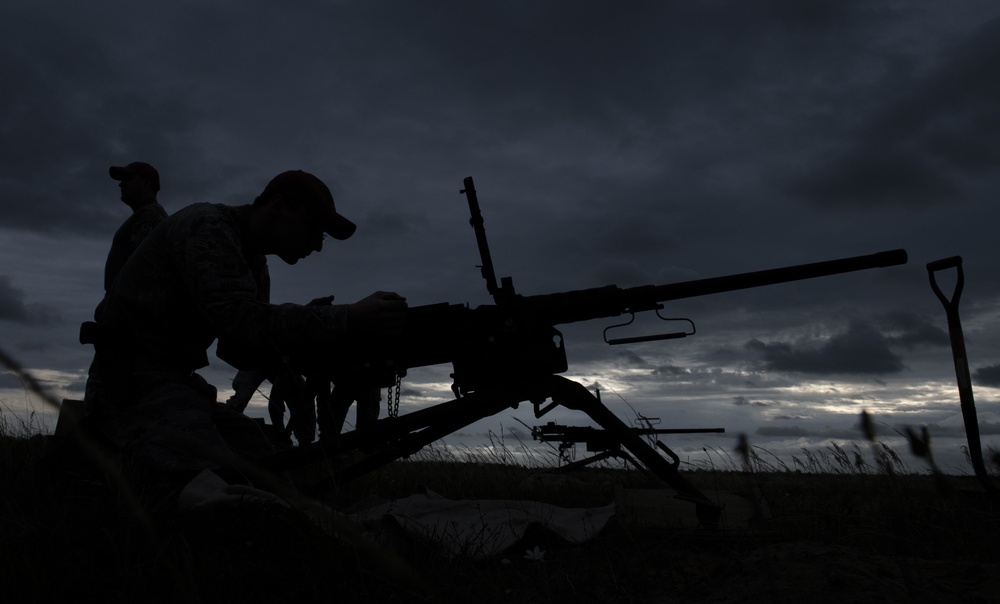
pixel 510 352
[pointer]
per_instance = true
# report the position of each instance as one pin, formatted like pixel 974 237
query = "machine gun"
pixel 510 352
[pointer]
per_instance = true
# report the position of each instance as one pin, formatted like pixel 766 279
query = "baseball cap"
pixel 137 167
pixel 315 197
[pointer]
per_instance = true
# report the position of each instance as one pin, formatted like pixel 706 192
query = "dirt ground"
pixel 653 552
pixel 754 560
pixel 820 573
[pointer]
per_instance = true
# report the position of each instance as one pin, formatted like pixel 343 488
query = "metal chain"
pixel 392 397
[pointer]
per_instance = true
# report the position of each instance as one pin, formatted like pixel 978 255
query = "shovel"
pixel 961 364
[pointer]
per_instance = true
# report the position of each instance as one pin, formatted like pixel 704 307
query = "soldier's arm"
pixel 228 299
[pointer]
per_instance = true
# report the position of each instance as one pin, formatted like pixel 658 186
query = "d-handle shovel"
pixel 961 364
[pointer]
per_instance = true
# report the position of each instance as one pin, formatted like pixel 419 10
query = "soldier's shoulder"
pixel 205 229
pixel 156 210
pixel 200 209
pixel 201 214
pixel 148 216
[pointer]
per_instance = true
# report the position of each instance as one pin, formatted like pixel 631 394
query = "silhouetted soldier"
pixel 288 390
pixel 202 275
pixel 332 406
pixel 139 183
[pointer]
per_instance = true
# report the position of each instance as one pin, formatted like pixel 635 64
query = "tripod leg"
pixel 575 396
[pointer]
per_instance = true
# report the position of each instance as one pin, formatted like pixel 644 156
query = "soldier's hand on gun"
pixel 379 314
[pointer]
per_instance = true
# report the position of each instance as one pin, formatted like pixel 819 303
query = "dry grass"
pixel 845 524
pixel 69 531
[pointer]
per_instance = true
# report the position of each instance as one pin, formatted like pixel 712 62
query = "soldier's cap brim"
pixel 137 167
pixel 315 196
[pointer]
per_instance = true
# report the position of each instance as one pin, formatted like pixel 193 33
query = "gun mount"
pixel 603 443
pixel 510 352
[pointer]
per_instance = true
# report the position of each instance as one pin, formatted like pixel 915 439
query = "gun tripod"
pixel 392 438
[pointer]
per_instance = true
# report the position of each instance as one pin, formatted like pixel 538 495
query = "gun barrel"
pixel 713 285
pixel 610 300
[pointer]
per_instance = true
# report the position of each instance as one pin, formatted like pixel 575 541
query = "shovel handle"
pixel 940 265
pixel 966 399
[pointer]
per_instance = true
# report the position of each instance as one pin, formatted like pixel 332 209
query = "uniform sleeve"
pixel 230 301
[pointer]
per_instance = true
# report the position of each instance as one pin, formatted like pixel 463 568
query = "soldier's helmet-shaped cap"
pixel 309 191
pixel 137 167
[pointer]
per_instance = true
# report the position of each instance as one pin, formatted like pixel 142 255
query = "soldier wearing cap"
pixel 139 183
pixel 202 276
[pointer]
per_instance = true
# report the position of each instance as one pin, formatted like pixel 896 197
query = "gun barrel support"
pixel 573 395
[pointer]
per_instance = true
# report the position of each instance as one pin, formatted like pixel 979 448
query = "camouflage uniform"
pixel 128 237
pixel 192 282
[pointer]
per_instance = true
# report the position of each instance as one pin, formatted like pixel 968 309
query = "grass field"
pixel 842 531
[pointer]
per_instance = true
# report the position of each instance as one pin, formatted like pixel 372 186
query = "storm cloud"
pixel 13 307
pixel 859 350
pixel 611 143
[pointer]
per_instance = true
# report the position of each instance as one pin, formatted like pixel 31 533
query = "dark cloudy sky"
pixel 625 143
